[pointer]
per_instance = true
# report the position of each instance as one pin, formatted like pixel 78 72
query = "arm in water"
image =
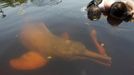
pixel 101 49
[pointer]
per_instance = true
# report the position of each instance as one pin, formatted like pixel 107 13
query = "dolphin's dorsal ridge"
pixel 65 36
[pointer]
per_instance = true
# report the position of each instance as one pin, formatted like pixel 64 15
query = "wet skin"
pixel 42 46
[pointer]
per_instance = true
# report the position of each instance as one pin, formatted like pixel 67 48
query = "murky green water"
pixel 65 16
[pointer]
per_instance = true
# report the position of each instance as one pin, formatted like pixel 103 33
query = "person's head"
pixel 119 10
pixel 93 12
pixel 113 21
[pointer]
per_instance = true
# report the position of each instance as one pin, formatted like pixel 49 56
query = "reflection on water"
pixel 64 17
pixel 2 13
pixel 45 2
pixel 14 3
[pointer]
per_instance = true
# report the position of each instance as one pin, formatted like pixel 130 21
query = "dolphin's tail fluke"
pixel 28 61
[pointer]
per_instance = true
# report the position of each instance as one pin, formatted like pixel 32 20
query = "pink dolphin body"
pixel 43 46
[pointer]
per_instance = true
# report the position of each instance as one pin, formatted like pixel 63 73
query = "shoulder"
pixel 102 4
pixel 106 3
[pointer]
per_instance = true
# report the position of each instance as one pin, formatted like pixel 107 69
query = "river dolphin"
pixel 43 46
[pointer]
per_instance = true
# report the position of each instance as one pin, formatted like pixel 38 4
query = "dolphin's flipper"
pixel 101 49
pixel 28 61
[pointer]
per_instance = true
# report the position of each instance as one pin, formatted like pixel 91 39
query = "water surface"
pixel 66 16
